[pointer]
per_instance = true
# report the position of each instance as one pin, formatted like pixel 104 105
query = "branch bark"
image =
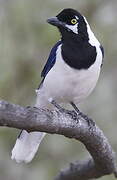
pixel 71 125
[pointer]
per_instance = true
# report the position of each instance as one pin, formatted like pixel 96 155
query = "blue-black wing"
pixel 50 62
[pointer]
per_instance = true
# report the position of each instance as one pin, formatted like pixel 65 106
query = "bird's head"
pixel 70 21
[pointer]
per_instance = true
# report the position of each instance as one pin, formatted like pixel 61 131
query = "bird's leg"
pixel 89 121
pixel 61 109
pixel 75 107
pixel 56 105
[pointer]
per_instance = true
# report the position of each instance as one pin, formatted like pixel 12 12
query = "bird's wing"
pixel 50 62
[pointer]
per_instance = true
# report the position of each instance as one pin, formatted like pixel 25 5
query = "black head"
pixel 70 21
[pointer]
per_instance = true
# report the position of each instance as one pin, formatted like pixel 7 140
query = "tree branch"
pixel 71 125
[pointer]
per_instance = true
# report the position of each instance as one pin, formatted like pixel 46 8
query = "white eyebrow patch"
pixel 74 28
pixel 76 17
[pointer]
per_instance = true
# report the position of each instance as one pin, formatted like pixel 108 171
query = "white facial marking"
pixel 74 28
pixel 94 42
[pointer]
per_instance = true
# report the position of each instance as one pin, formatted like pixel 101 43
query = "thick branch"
pixel 71 125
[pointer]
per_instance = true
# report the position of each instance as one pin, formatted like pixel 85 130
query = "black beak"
pixel 55 22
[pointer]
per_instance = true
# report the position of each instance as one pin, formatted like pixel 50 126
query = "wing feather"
pixel 50 62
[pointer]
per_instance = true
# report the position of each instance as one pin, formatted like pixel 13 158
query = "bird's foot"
pixel 57 106
pixel 85 117
pixel 29 107
pixel 63 110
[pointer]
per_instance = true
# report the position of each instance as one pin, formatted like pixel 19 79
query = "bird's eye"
pixel 74 21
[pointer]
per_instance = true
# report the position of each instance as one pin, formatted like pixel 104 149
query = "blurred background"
pixel 25 42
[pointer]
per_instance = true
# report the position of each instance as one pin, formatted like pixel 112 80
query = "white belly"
pixel 64 84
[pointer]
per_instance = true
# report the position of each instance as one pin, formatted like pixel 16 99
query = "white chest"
pixel 65 84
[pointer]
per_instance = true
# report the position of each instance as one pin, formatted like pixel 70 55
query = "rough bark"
pixel 72 125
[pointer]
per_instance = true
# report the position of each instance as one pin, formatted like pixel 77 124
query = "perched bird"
pixel 69 76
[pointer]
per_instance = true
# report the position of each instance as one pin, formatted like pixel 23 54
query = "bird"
pixel 69 75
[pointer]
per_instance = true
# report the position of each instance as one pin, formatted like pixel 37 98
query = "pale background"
pixel 25 42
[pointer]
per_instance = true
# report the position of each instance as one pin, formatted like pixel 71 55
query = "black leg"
pixel 75 107
pixel 57 106
pixel 89 121
pixel 61 109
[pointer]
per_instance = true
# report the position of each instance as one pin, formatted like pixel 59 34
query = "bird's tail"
pixel 26 146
